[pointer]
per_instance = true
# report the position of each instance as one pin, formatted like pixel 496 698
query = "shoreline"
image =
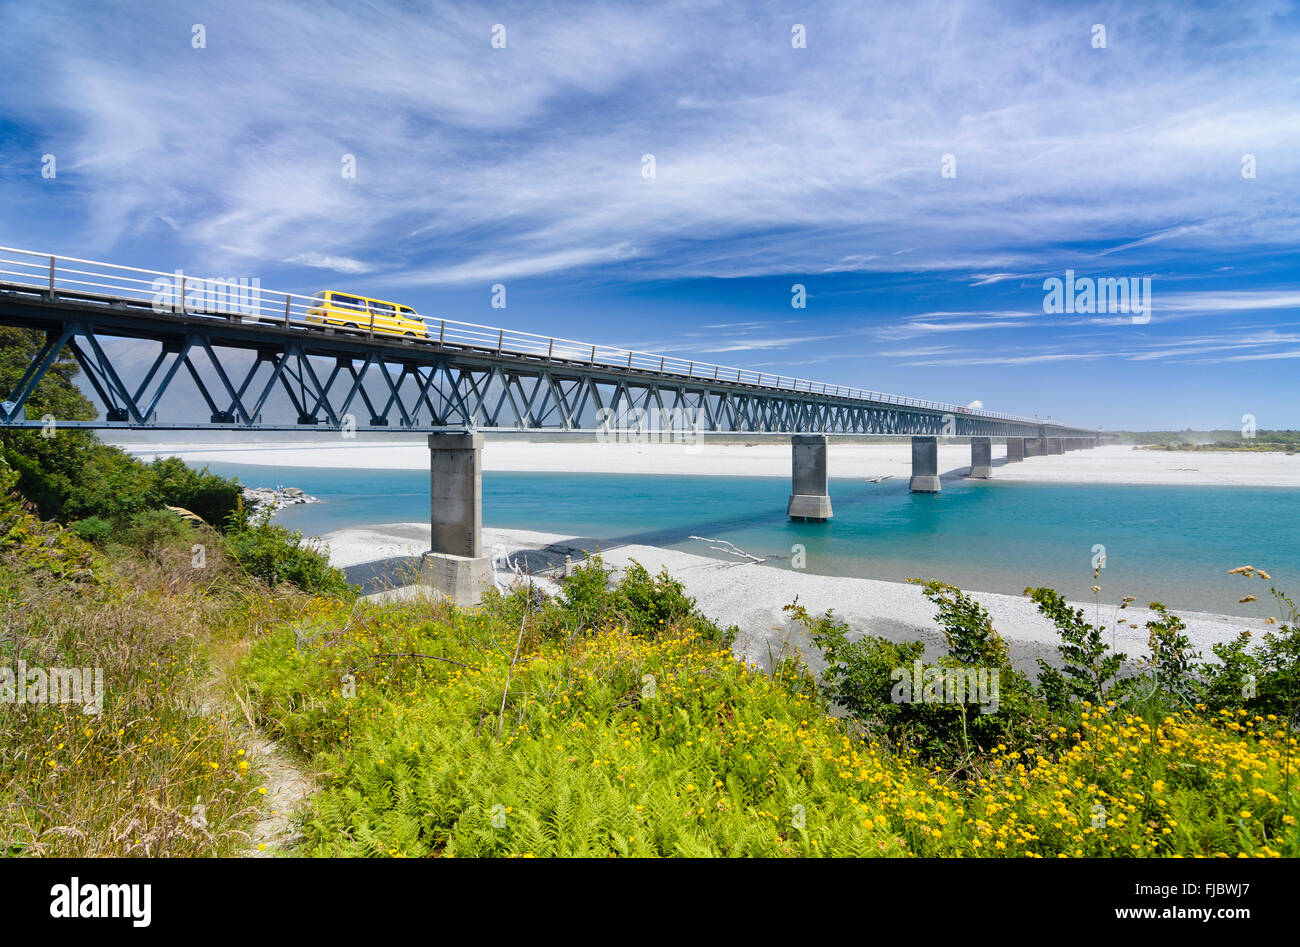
pixel 1111 464
pixel 734 593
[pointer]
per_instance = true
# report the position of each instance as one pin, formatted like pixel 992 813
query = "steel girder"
pixel 341 381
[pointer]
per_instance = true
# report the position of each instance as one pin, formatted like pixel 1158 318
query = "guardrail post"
pixel 593 355
pixel 442 330
pixel 286 310
pixel 629 359
pixel 661 364
pixel 372 324
pixel 501 338
pixel 182 312
pixel 51 277
pixel 550 348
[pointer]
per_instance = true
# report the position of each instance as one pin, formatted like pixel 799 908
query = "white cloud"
pixel 339 264
pixel 477 164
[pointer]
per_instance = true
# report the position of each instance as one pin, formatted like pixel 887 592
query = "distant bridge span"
pixel 250 352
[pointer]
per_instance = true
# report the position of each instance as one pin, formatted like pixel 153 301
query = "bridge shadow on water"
pixel 397 571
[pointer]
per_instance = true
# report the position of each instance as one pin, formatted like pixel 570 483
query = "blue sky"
pixel 774 165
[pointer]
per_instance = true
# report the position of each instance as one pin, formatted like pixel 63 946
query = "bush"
pixel 153 531
pixel 94 529
pixel 1087 670
pixel 887 688
pixel 278 555
pixel 642 603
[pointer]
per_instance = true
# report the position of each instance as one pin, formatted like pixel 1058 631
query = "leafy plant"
pixel 643 603
pixel 1087 669
pixel 277 555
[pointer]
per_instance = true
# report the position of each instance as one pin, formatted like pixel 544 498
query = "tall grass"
pixel 157 771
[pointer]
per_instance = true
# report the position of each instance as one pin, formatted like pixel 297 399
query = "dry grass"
pixel 158 772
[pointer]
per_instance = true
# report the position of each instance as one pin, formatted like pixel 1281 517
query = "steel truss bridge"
pixel 251 352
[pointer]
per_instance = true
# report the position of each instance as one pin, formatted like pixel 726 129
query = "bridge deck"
pixel 461 376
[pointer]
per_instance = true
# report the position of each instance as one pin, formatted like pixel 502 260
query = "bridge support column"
pixel 455 564
pixel 925 465
pixel 1015 449
pixel 1035 446
pixel 981 458
pixel 809 494
pixel 1054 446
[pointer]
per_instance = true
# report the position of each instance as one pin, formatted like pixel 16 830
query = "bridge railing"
pixel 183 294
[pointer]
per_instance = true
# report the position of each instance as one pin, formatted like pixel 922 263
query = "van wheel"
pixel 409 335
pixel 351 325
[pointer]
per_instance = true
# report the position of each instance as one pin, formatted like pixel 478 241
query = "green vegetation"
pixel 109 498
pixel 439 731
pixel 1189 440
pixel 612 720
pixel 150 774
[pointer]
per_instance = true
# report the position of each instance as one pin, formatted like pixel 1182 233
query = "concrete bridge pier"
pixel 1055 446
pixel 925 465
pixel 1035 446
pixel 809 494
pixel 1015 449
pixel 981 458
pixel 455 564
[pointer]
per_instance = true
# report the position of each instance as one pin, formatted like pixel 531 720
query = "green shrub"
pixel 877 680
pixel 1087 670
pixel 278 555
pixel 152 531
pixel 639 601
pixel 94 529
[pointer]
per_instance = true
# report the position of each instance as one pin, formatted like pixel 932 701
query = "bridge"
pixel 258 362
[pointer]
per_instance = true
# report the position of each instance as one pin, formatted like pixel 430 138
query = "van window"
pixel 381 307
pixel 406 310
pixel 348 302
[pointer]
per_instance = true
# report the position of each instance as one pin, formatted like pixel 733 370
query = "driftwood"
pixel 729 548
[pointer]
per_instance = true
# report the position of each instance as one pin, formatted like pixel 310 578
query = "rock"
pixel 257 499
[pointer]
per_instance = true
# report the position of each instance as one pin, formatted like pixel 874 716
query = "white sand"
pixel 752 596
pixel 1110 464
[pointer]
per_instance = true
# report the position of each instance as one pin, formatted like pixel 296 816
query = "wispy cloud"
pixel 485 164
pixel 324 261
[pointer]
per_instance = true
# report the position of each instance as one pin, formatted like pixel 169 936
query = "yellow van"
pixel 361 312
